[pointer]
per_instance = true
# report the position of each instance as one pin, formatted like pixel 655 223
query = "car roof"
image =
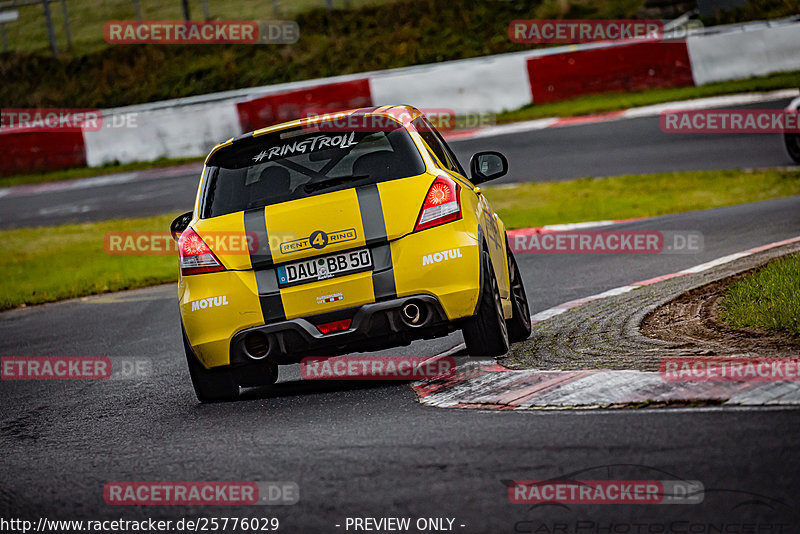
pixel 404 114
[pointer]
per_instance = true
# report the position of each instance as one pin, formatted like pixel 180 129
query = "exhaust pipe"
pixel 413 314
pixel 256 346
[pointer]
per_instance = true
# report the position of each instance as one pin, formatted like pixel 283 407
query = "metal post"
pixel 186 14
pixel 206 16
pixel 65 14
pixel 3 36
pixel 329 4
pixel 49 22
pixel 276 8
pixel 137 9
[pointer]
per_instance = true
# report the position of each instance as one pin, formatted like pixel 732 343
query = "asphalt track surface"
pixel 629 146
pixel 368 449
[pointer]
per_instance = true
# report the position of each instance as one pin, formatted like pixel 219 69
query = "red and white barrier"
pixel 631 67
pixel 276 108
pixel 477 85
pixel 756 52
pixel 179 132
pixel 190 127
pixel 31 150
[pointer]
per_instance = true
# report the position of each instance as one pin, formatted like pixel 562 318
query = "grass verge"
pixel 55 263
pixel 768 299
pixel 87 18
pixel 605 102
pixel 48 264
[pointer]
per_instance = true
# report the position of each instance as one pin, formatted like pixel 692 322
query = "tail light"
pixel 195 255
pixel 442 204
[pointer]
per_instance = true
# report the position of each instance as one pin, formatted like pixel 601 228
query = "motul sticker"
pixel 439 257
pixel 211 302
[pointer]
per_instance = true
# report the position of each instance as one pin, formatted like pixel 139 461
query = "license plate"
pixel 314 269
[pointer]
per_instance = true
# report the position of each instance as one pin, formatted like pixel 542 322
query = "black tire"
pixel 485 333
pixel 210 385
pixel 519 326
pixel 792 141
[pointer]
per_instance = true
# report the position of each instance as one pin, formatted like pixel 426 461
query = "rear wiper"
pixel 315 186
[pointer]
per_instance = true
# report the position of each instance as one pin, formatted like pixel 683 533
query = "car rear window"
pixel 299 163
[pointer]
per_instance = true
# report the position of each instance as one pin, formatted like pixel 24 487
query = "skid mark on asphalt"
pixel 25 427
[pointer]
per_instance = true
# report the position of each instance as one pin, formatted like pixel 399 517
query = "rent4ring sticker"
pixel 318 239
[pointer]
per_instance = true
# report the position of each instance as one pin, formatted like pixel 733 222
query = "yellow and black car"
pixel 357 238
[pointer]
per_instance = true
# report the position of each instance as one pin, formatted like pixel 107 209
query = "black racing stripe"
pixel 369 203
pixel 383 273
pixel 270 296
pixel 255 224
pixel 269 293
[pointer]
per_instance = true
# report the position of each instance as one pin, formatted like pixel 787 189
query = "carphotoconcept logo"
pixel 537 241
pixel 201 32
pixel 629 484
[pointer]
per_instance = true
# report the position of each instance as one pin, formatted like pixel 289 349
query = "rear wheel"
pixel 210 385
pixel 485 333
pixel 519 326
pixel 792 141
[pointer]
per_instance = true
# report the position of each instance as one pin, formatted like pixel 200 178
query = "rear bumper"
pixel 373 327
pixel 441 263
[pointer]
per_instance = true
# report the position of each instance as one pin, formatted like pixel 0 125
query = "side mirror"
pixel 485 166
pixel 180 224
